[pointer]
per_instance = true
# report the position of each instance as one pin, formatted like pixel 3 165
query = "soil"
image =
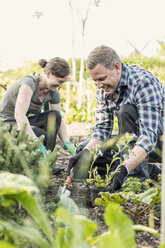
pixel 80 193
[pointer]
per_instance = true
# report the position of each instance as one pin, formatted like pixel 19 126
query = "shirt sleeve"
pixel 28 81
pixel 104 118
pixel 149 98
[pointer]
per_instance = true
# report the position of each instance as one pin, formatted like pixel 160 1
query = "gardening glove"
pixel 118 178
pixel 42 149
pixel 78 159
pixel 69 147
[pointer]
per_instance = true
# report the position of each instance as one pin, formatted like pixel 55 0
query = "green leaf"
pixel 73 230
pixel 37 213
pixel 88 226
pixel 21 187
pixel 146 229
pixel 162 245
pixel 30 233
pixel 147 196
pixel 99 238
pixel 63 216
pixel 69 204
pixel 132 196
pixel 122 234
pixel 100 202
pixel 12 183
pixel 106 198
pixel 4 244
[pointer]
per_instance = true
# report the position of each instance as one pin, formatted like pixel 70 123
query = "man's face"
pixel 106 79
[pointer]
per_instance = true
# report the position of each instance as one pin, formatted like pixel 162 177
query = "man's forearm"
pixel 137 156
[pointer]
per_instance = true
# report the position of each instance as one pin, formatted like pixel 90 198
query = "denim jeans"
pixel 128 122
pixel 42 126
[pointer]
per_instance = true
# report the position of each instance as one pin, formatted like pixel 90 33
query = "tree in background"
pixel 161 52
pixel 75 8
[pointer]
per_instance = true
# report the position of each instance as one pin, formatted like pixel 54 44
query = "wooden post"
pixel 163 189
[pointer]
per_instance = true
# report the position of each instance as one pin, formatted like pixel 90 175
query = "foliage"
pixel 66 228
pixel 19 188
pixel 137 192
pixel 161 52
pixel 153 64
pixel 122 145
pixel 18 155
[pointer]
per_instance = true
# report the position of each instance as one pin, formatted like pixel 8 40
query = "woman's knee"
pixel 55 116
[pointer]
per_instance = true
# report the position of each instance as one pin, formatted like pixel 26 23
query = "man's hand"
pixel 70 147
pixel 83 157
pixel 118 178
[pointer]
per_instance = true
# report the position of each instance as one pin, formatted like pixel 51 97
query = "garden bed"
pixel 80 193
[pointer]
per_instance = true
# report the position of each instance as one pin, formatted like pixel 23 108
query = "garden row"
pixel 24 221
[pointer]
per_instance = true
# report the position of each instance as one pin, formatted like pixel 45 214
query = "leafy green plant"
pixel 95 179
pixel 66 228
pixel 22 189
pixel 18 155
pixel 138 193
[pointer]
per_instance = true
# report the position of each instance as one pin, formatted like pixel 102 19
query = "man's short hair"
pixel 103 55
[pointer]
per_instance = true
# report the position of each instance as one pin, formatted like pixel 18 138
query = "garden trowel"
pixel 63 191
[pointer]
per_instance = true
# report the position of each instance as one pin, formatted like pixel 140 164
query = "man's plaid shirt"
pixel 138 87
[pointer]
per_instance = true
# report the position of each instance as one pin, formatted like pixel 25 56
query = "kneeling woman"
pixel 25 98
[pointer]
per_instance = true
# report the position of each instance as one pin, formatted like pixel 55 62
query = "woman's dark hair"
pixel 57 66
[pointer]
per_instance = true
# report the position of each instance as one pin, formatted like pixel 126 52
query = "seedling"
pixel 95 178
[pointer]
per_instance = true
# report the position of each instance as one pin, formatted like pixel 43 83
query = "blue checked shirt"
pixel 139 87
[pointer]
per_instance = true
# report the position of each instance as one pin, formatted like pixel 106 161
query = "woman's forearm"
pixel 21 121
pixel 62 132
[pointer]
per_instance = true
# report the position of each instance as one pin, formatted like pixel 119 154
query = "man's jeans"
pixel 128 122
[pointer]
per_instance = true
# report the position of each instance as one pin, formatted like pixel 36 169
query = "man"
pixel 136 97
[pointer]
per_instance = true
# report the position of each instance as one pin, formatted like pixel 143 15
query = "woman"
pixel 25 98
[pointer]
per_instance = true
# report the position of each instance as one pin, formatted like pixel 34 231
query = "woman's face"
pixel 54 82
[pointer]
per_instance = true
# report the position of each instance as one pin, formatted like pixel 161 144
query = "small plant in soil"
pixel 146 197
pixel 95 179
